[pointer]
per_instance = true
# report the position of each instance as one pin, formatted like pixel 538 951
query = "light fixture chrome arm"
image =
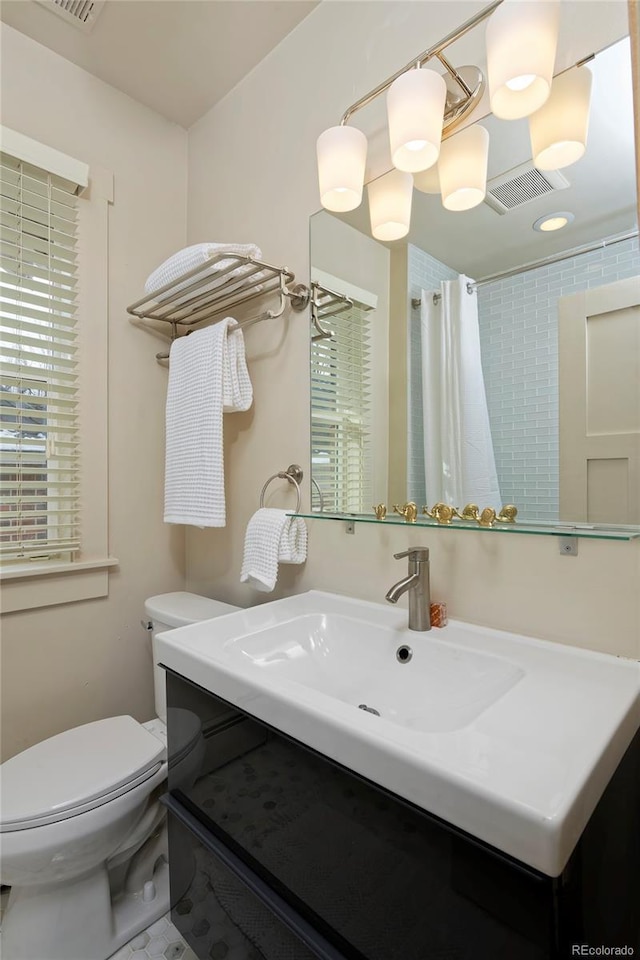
pixel 424 57
pixel 466 89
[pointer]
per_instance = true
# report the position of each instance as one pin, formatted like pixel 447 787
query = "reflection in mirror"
pixel 485 359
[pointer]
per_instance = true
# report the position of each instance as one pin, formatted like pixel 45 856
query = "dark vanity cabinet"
pixel 277 852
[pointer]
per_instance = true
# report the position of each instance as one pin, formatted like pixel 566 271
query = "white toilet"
pixel 82 835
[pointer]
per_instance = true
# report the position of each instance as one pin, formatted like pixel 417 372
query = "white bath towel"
pixel 272 538
pixel 207 375
pixel 191 257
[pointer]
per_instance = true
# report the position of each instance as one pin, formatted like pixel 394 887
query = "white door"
pixel 599 404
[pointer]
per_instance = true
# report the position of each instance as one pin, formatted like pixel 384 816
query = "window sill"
pixel 31 585
pixel 44 568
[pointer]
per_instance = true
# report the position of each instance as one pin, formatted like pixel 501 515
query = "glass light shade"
pixel 428 181
pixel 559 129
pixel 463 168
pixel 342 154
pixel 390 205
pixel 415 111
pixel 522 36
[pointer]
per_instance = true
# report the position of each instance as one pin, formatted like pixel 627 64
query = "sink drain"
pixel 363 706
pixel 404 654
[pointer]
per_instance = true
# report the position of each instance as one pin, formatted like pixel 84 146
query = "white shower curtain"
pixel 458 451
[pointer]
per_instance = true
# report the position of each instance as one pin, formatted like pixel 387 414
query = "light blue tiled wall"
pixel 518 334
pixel 425 273
pixel 518 320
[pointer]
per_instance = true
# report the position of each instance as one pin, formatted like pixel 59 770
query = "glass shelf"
pixel 590 531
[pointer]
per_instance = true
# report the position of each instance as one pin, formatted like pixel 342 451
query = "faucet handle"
pixel 417 554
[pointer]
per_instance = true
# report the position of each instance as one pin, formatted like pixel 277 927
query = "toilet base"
pixel 41 922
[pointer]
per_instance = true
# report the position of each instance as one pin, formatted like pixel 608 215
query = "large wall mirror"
pixel 447 367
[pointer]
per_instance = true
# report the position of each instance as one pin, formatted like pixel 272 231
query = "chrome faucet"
pixel 417 585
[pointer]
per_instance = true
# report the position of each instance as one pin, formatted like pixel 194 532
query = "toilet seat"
pixel 76 771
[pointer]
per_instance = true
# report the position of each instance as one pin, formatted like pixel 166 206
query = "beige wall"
pixel 252 178
pixel 71 663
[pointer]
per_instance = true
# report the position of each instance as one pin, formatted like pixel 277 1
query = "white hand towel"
pixel 191 257
pixel 207 374
pixel 272 538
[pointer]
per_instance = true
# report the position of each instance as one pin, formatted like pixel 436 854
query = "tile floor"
pixel 160 941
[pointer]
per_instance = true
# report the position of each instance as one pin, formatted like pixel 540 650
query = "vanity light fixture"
pixel 521 51
pixel 390 205
pixel 427 181
pixel 463 168
pixel 559 129
pixel 415 140
pixel 342 154
pixel 424 108
pixel 415 112
pixel 553 221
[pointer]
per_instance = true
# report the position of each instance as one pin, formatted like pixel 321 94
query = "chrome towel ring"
pixel 294 475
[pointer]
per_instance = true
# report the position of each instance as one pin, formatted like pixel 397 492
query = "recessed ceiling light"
pixel 553 221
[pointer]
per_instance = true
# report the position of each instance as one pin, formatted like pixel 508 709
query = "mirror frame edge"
pixel 634 34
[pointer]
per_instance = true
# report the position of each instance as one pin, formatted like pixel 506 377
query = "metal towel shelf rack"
pixel 221 283
pixel 326 303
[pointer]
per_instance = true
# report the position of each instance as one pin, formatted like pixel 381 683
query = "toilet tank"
pixel 169 610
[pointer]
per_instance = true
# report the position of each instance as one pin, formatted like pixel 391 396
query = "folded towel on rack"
pixel 195 256
pixel 207 376
pixel 272 537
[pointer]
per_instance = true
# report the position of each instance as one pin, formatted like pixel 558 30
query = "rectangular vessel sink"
pixel 509 738
pixel 424 685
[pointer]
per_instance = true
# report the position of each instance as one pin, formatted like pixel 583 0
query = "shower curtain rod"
pixel 568 255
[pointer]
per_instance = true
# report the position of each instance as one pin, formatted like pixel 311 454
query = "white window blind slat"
pixel 13 268
pixel 44 283
pixel 30 352
pixel 39 423
pixel 40 370
pixel 59 393
pixel 37 212
pixel 33 313
pixel 54 266
pixel 57 486
pixel 341 419
pixel 32 337
pixel 61 257
pixel 18 194
pixel 43 548
pixel 12 273
pixel 31 500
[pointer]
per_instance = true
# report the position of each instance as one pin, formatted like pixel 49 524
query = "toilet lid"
pixel 75 770
pixel 180 608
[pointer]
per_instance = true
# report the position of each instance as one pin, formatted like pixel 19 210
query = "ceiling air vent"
pixel 520 185
pixel 81 13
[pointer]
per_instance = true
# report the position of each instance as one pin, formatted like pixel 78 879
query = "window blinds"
pixel 39 455
pixel 341 412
